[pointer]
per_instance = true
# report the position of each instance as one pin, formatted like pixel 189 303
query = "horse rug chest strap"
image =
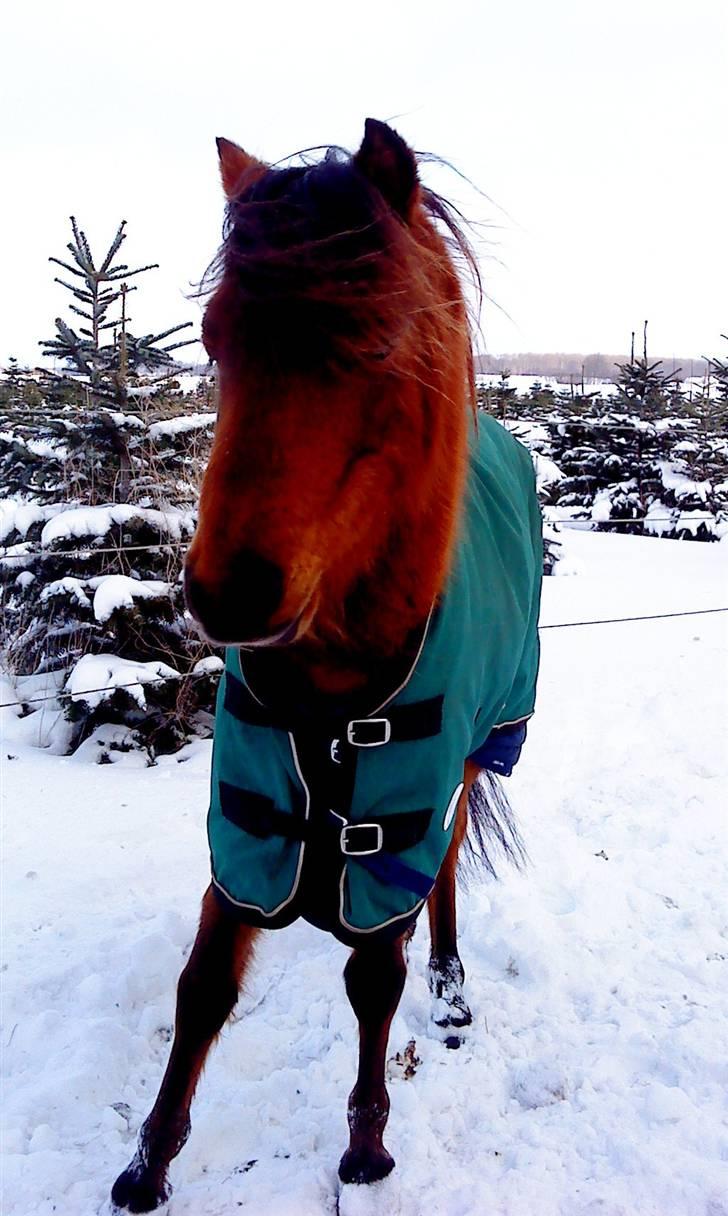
pixel 329 754
pixel 402 724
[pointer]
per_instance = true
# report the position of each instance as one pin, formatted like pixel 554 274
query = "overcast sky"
pixel 596 127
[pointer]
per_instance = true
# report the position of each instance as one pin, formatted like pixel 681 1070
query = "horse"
pixel 369 552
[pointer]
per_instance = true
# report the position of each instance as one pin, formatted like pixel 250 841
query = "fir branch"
pixel 71 269
pixel 114 247
pixel 124 274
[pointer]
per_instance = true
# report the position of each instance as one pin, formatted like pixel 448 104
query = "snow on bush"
pixel 181 425
pixel 17 515
pixel 96 522
pixel 97 677
pixel 85 575
pixel 114 592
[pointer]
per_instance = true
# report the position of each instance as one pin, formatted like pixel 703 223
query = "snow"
pixel 82 522
pixel 547 471
pixel 208 666
pixel 74 588
pixel 593 1081
pixel 121 420
pixel 115 592
pixel 181 425
pixel 19 516
pixel 681 484
pixel 524 383
pixel 96 677
pixel 602 506
pixel 39 447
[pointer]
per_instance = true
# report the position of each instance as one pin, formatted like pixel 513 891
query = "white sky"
pixel 597 126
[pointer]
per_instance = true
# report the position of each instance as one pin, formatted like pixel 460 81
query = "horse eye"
pixel 353 461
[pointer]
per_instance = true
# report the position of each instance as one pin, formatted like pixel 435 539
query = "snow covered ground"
pixel 594 1081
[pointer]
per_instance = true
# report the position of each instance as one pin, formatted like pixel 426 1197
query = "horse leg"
pixel 374 977
pixel 446 975
pixel 206 995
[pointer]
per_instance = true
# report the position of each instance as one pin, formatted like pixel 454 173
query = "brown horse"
pixel 328 519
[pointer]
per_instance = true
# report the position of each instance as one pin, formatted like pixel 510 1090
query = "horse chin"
pixel 284 637
pixel 292 632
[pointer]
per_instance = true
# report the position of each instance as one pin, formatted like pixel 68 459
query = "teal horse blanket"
pixel 357 814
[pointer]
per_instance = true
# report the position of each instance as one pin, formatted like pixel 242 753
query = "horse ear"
pixel 236 163
pixel 389 164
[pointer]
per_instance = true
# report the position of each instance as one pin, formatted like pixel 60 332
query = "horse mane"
pixel 317 273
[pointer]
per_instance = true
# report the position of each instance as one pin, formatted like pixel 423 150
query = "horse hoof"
pixel 458 1015
pixel 133 1192
pixel 365 1165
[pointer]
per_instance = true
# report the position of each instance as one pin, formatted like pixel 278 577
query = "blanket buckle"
pixel 364 849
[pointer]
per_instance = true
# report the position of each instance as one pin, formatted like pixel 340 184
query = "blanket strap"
pixel 402 723
pixel 373 844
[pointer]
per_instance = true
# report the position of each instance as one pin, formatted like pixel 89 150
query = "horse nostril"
pixel 238 607
pixel 255 583
pixel 195 596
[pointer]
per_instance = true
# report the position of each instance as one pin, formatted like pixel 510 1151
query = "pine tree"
pixel 105 363
pixel 99 483
pixel 500 399
pixel 18 388
pixel 705 454
pixel 105 367
pixel 719 373
pixel 643 386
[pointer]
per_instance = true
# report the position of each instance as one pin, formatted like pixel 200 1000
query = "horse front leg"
pixel 374 977
pixel 446 974
pixel 206 995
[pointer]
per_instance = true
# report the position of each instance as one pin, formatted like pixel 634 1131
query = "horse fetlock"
pixel 368 1119
pixel 450 1010
pixel 445 974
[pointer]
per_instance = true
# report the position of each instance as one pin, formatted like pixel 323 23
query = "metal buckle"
pixel 357 827
pixel 365 722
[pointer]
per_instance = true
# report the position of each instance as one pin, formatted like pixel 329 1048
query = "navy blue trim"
pixel 502 749
pixel 391 870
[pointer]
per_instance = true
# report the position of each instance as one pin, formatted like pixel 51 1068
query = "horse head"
pixel 339 330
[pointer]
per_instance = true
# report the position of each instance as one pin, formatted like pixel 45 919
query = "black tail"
pixel 492 829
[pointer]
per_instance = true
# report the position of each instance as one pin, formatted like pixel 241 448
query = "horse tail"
pixel 492 829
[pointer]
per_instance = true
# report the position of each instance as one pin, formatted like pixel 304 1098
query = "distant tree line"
pixel 572 366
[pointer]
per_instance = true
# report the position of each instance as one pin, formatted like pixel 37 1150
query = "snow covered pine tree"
pixel 99 484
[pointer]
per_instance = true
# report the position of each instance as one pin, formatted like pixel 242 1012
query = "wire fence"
pixel 90 550
pixel 70 695
pixel 681 519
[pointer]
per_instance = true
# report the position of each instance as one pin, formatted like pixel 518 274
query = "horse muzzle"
pixel 239 608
